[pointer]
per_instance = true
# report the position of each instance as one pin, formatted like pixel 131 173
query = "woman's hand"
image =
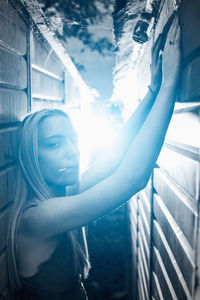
pixel 156 64
pixel 171 58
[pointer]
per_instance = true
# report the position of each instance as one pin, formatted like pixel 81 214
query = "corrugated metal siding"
pixel 165 216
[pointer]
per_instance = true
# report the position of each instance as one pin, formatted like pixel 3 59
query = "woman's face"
pixel 58 152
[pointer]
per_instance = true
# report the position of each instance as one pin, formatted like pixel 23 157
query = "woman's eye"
pixel 53 145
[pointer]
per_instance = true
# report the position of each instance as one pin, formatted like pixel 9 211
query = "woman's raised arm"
pixel 110 159
pixel 57 215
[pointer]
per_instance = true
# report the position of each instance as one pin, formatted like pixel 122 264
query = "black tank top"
pixel 55 279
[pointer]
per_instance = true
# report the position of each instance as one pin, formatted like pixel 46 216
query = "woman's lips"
pixel 63 169
pixel 68 168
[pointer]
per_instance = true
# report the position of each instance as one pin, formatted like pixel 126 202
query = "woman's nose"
pixel 72 151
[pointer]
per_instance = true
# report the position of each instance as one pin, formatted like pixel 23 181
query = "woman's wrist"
pixel 152 92
pixel 168 89
pixel 169 84
pixel 153 89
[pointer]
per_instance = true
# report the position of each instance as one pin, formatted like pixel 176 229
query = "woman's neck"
pixel 58 191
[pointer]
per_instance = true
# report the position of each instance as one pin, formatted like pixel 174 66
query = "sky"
pixel 85 27
pixel 95 69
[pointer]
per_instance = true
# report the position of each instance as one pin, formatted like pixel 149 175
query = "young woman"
pixel 47 255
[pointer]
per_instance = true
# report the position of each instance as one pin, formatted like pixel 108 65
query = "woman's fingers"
pixel 172 32
pixel 172 54
pixel 156 50
pixel 178 34
pixel 156 45
pixel 166 62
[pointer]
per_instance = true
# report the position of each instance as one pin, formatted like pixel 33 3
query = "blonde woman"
pixel 48 255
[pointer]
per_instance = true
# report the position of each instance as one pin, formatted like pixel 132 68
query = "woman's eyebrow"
pixel 53 136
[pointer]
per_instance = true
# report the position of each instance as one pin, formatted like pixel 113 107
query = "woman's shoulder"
pixel 24 224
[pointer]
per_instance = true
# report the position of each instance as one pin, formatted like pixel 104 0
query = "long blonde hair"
pixel 31 189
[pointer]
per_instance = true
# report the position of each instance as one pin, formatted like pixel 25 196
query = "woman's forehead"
pixel 55 125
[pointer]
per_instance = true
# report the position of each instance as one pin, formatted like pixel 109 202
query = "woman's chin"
pixel 71 180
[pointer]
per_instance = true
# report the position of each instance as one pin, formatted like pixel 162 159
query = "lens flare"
pixel 95 134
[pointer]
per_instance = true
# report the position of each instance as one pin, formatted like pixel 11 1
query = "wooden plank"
pixel 133 232
pixel 145 204
pixel 190 24
pixel 132 280
pixel 170 263
pixel 145 259
pixel 44 56
pixel 4 218
pixel 179 245
pixel 144 238
pixel 37 105
pixel 133 238
pixel 140 288
pixel 147 191
pixel 141 282
pixel 133 202
pixel 144 219
pixel 160 270
pixel 10 13
pixel 132 213
pixel 13 105
pixel 190 90
pixel 13 70
pixel 184 128
pixel 183 149
pixel 181 169
pixel 3 273
pixel 183 208
pixel 44 85
pixel 47 73
pixel 8 185
pixel 8 145
pixel 185 107
pixel 156 289
pixel 12 37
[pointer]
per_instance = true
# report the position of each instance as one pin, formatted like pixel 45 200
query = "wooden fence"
pixel 35 72
pixel 164 217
